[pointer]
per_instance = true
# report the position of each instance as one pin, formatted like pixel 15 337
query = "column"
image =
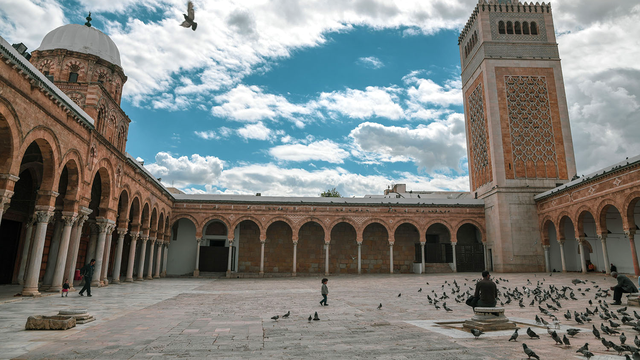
pixel 58 275
pixel 455 259
pixel 390 258
pixel 132 257
pixel 360 258
pixel 156 275
pixel 25 250
pixel 166 258
pixel 103 227
pixel 262 241
pixel 143 251
pixel 74 248
pixel 150 265
pixel 52 256
pixel 486 257
pixel 562 258
pixel 35 261
pixel 634 254
pixel 107 255
pixel 5 197
pixel 547 260
pixel 117 262
pixel 583 260
pixel 91 247
pixel 295 259
pixel 424 268
pixel 196 272
pixel 605 253
pixel 326 258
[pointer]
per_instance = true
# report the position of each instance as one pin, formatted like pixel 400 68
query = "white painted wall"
pixel 182 251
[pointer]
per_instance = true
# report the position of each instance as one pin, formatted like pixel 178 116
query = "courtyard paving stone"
pixel 231 319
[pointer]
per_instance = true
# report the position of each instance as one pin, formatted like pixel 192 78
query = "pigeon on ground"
pixel 584 348
pixel 399 294
pixel 530 354
pixel 608 344
pixel 420 290
pixel 572 332
pixel 286 315
pixel 188 18
pixel 556 338
pixel 636 341
pixel 565 340
pixel 310 318
pixel 596 333
pixel 588 354
pixel 315 316
pixel 514 337
pixel 532 334
pixel 623 338
pixel 380 306
pixel 275 317
pixel 476 332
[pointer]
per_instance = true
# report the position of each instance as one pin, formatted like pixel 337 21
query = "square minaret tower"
pixel 517 124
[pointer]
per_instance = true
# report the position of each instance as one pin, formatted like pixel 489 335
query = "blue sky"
pixel 294 97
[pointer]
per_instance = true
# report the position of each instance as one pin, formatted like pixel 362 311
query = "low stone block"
pixel 58 322
pixel 489 319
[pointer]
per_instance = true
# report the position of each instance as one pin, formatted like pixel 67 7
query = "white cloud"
pixel 324 150
pixel 358 104
pixel 207 135
pixel 250 103
pixel 29 21
pixel 256 132
pixel 426 91
pixel 437 145
pixel 183 171
pixel 371 62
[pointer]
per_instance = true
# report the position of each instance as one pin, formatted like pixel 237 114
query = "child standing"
pixel 324 292
pixel 65 288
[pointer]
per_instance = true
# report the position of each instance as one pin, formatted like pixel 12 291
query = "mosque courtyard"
pixel 231 318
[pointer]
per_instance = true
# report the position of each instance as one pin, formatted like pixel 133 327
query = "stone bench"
pixel 633 299
pixel 489 319
pixel 41 322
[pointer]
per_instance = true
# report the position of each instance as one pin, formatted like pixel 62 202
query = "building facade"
pixel 69 192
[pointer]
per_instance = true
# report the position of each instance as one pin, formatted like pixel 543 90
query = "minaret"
pixel 517 124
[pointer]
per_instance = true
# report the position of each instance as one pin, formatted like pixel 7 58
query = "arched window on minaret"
pixel 534 28
pixel 509 27
pixel 525 28
pixel 501 27
pixel 73 73
pixel 101 118
pixel 518 29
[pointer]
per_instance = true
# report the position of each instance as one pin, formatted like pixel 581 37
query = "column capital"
pixel 454 243
pixel 43 216
pixel 135 236
pixel 122 232
pixel 545 246
pixel 263 241
pixel 602 237
pixel 391 243
pixel 5 199
pixel 166 244
pixel 581 239
pixel 103 225
pixel 144 238
pixel 153 240
pixel 263 238
pixel 629 233
pixel 359 243
pixel 295 243
pixel 69 220
pixel 561 241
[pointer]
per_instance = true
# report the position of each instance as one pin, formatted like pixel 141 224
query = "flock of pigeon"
pixel 549 300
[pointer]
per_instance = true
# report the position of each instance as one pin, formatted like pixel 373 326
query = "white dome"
pixel 82 39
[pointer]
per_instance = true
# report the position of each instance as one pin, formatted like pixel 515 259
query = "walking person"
pixel 324 292
pixel 625 285
pixel 87 273
pixel 65 288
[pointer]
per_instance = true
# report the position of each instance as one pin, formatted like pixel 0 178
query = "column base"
pixel 196 273
pixel 105 282
pixel 140 279
pixel 115 281
pixel 149 277
pixel 156 276
pixel 96 283
pixel 294 274
pixel 261 273
pixel 55 289
pixel 228 275
pixel 164 274
pixel 128 280
pixel 30 292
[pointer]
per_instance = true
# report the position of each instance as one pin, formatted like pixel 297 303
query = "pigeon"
pixel 310 318
pixel 420 290
pixel 399 294
pixel 315 317
pixel 514 337
pixel 596 333
pixel 588 354
pixel 606 343
pixel 286 315
pixel 476 332
pixel 380 306
pixel 275 317
pixel 623 338
pixel 556 338
pixel 532 334
pixel 636 341
pixel 188 18
pixel 565 340
pixel 613 324
pixel 572 332
pixel 584 348
pixel 530 354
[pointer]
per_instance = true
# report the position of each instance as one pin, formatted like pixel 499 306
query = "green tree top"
pixel 331 193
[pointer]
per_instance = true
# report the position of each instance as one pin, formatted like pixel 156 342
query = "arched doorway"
pixel 406 248
pixel 469 249
pixel 311 253
pixel 616 240
pixel 182 248
pixel 437 249
pixel 343 251
pixel 278 248
pixel 248 247
pixel 375 249
pixel 214 248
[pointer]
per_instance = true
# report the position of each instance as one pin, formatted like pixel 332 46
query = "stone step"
pixel 432 268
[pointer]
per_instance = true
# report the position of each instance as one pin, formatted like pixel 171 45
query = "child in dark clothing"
pixel 324 292
pixel 65 288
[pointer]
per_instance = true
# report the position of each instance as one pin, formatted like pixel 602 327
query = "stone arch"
pixel 544 226
pixel 375 247
pixel 628 210
pixel 74 177
pixel 8 112
pixel 438 221
pixel 49 147
pixel 160 231
pixel 344 219
pixel 562 214
pixel 176 217
pixel 220 218
pixel 308 219
pixel 407 238
pixel 8 141
pixel 408 221
pixel 153 223
pixel 237 222
pixel 344 247
pixel 277 218
pixel 123 208
pixel 469 221
pixel 601 214
pixel 135 212
pixel 145 218
pixel 375 220
pixel 312 236
pixel 579 219
pixel 106 179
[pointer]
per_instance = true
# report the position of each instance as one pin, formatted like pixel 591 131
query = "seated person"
pixel 625 285
pixel 613 268
pixel 590 266
pixel 486 291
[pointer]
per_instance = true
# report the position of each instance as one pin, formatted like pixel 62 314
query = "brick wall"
pixel 278 249
pixel 343 251
pixel 249 247
pixel 311 248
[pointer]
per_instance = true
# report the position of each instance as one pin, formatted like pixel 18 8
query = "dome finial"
pixel 88 23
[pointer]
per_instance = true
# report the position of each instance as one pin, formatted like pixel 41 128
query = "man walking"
pixel 486 291
pixel 625 285
pixel 87 273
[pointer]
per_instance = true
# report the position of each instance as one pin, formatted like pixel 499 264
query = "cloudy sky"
pixel 292 97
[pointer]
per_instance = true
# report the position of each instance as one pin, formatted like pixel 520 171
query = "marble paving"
pixel 231 319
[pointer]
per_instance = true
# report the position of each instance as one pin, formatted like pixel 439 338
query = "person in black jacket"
pixel 87 273
pixel 486 291
pixel 625 285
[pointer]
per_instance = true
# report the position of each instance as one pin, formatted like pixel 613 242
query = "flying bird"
pixel 188 18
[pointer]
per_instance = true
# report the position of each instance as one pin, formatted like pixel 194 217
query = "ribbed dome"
pixel 82 39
